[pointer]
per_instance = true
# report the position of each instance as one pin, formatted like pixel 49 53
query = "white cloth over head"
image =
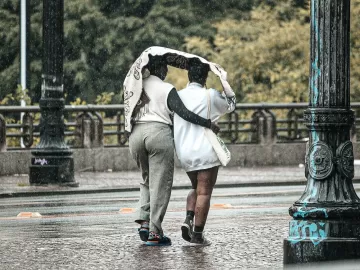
pixel 133 83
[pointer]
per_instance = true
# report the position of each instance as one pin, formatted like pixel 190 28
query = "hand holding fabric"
pixel 215 128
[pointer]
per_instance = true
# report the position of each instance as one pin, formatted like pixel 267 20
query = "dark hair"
pixel 155 62
pixel 198 71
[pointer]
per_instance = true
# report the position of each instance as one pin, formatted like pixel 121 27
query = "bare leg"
pixel 206 180
pixel 191 198
pixel 187 226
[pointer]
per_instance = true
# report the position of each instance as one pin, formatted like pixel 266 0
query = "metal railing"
pixel 90 126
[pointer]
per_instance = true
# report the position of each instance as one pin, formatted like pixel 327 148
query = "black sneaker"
pixel 198 239
pixel 187 228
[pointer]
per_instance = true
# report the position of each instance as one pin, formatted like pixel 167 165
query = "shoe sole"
pixel 199 245
pixel 155 243
pixel 185 229
pixel 144 235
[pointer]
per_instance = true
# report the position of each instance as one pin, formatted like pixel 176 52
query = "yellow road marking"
pixel 127 210
pixel 29 215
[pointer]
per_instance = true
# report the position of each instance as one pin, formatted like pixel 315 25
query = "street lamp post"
pixel 52 161
pixel 326 219
pixel 24 52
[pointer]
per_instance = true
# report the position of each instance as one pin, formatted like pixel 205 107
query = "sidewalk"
pixel 91 182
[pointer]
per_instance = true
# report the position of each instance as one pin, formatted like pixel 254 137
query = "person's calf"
pixel 202 209
pixel 191 200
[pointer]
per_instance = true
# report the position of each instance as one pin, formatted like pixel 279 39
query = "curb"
pixel 74 191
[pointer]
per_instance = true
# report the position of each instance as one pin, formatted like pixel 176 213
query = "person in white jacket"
pixel 195 152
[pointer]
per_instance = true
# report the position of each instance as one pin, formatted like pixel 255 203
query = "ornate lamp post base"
pixel 52 167
pixel 326 219
pixel 322 240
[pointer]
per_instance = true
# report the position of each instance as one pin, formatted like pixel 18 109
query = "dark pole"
pixel 325 223
pixel 52 161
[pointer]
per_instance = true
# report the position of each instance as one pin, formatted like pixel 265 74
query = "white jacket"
pixel 192 147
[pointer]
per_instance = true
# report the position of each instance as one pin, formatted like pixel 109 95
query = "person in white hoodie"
pixel 195 152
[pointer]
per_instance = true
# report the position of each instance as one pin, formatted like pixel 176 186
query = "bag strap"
pixel 208 103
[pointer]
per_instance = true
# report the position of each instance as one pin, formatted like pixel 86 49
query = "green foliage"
pixel 104 98
pixel 262 54
pixel 264 45
pixel 77 102
pixel 9 32
pixel 355 52
pixel 267 67
pixel 267 54
pixel 15 99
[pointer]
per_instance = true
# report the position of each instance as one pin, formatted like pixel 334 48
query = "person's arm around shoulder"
pixel 175 104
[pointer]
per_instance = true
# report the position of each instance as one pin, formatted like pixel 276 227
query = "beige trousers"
pixel 152 146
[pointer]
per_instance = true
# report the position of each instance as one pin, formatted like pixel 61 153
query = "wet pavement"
pixel 91 227
pixel 96 231
pixel 91 232
pixel 106 242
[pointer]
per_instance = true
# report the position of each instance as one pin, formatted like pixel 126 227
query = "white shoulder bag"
pixel 217 143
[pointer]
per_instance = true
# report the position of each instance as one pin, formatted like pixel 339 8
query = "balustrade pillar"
pixel 90 130
pixel 97 131
pixel 265 126
pixel 326 219
pixel 2 134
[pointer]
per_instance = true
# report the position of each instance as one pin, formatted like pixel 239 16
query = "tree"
pixel 264 45
pixel 9 61
pixel 355 51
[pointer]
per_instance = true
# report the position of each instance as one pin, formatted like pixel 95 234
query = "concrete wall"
pixel 119 159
